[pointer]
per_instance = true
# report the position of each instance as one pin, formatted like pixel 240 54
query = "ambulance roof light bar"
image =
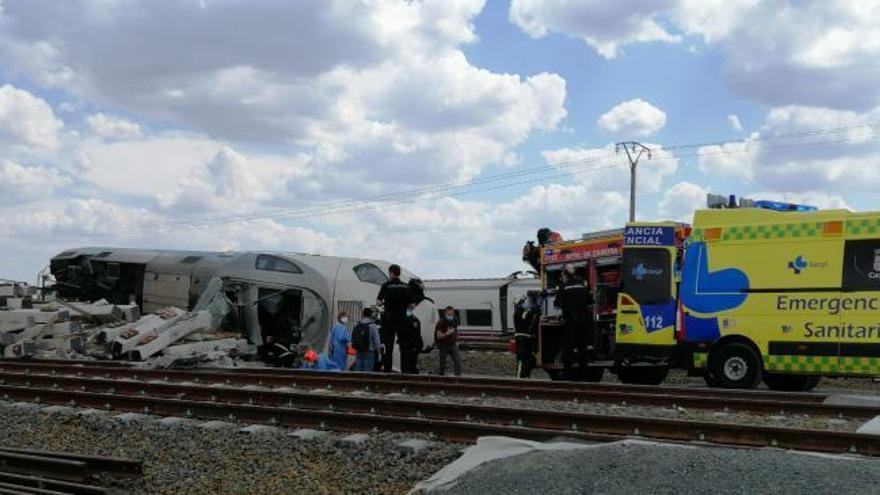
pixel 717 201
pixel 779 206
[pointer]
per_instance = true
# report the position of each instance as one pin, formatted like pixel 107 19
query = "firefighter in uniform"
pixel 574 300
pixel 525 322
pixel 396 298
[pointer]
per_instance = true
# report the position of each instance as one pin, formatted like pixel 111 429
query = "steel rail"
pixel 34 464
pixel 464 423
pixel 278 397
pixel 114 466
pixel 644 396
pixel 29 483
pixel 395 382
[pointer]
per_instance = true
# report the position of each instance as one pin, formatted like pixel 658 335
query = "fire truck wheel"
pixel 791 383
pixel 641 375
pixel 594 374
pixel 555 375
pixel 736 365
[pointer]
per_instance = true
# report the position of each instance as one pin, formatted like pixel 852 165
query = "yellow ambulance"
pixel 774 292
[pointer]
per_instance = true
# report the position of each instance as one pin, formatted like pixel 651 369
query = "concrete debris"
pixel 33 325
pixel 144 330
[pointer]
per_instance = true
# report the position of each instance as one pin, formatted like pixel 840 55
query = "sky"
pixel 439 134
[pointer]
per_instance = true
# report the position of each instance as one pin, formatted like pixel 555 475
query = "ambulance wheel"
pixel 791 383
pixel 710 379
pixel 642 375
pixel 736 365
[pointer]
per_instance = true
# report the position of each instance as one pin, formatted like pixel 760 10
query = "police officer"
pixel 574 300
pixel 410 343
pixel 525 321
pixel 396 298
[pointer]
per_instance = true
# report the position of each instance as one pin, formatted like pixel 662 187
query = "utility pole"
pixel 634 152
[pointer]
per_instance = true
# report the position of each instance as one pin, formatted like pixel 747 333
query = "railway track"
pixel 223 396
pixel 42 472
pixel 16 372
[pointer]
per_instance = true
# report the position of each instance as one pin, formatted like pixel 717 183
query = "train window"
pixel 113 270
pixel 370 273
pixel 478 317
pixel 103 254
pixel 189 260
pixel 275 264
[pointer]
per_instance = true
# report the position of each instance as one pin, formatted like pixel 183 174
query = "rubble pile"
pixel 42 327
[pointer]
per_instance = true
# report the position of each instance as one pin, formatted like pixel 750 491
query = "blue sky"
pixel 227 124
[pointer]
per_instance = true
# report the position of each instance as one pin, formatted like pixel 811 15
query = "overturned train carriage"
pixel 292 297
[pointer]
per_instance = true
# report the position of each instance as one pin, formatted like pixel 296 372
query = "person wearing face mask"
pixel 446 338
pixel 410 342
pixel 340 341
pixel 396 299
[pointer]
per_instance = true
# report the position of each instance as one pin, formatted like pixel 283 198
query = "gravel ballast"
pixel 503 364
pixel 180 457
pixel 628 468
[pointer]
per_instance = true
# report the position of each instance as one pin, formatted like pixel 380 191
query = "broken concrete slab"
pixel 11 321
pixel 413 446
pixel 100 310
pixel 198 348
pixel 209 317
pixel 19 349
pixel 307 434
pixel 74 344
pixel 145 328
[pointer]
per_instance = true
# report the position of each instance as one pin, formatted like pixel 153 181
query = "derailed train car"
pixel 288 296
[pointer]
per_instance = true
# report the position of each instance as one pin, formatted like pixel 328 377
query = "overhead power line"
pixel 530 175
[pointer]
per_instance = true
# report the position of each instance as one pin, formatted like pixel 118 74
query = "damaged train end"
pixel 270 297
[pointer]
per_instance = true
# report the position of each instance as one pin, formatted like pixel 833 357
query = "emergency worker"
pixel 525 321
pixel 314 361
pixel 410 342
pixel 574 300
pixel 277 353
pixel 340 341
pixel 396 298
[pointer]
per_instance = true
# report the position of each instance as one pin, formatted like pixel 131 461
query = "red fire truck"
pixel 597 258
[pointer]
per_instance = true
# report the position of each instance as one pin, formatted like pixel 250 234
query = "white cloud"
pixel 679 202
pixel 26 120
pixel 734 160
pixel 802 149
pixel 634 117
pixel 227 181
pixel 606 26
pixel 604 169
pixel 779 52
pixel 110 127
pixel 20 184
pixel 734 122
pixel 382 82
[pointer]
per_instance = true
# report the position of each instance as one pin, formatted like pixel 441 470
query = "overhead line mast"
pixel 634 152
